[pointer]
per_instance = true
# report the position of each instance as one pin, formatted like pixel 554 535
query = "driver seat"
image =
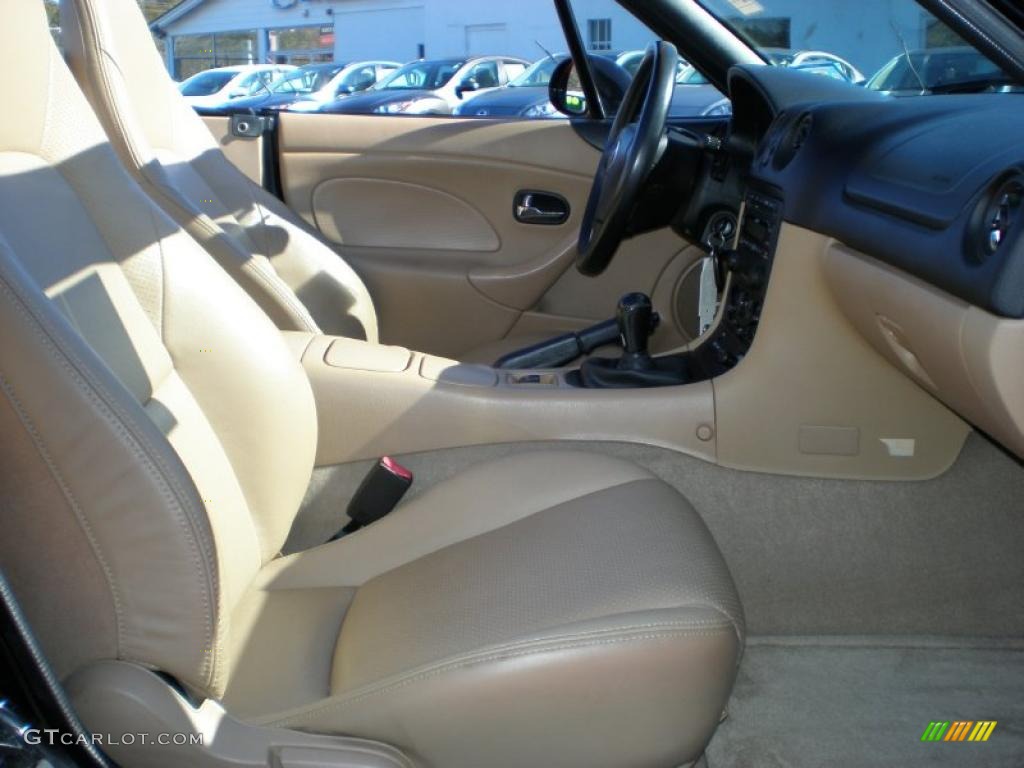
pixel 282 263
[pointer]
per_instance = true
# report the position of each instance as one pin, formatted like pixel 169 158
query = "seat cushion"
pixel 546 604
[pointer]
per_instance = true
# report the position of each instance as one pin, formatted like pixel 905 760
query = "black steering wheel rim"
pixel 635 144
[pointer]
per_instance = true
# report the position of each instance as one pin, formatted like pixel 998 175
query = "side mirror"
pixel 344 90
pixel 238 93
pixel 566 91
pixel 467 86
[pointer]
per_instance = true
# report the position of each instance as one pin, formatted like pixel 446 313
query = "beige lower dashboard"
pixel 374 401
pixel 968 358
pixel 812 397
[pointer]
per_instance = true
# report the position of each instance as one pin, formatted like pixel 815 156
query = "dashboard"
pixel 917 206
pixel 930 185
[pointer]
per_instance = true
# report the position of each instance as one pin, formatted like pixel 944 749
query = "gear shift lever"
pixel 637 320
pixel 635 315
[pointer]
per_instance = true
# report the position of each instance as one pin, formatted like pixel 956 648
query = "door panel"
pixel 244 152
pixel 423 209
pixel 361 212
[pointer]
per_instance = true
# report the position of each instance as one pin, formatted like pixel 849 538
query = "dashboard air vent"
pixel 997 213
pixel 797 135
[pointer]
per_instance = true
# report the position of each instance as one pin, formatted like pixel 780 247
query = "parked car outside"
pixel 431 87
pixel 810 60
pixel 525 96
pixel 285 89
pixel 631 61
pixel 353 78
pixel 213 87
pixel 694 95
pixel 924 70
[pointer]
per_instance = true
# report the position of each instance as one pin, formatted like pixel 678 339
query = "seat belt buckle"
pixel 379 493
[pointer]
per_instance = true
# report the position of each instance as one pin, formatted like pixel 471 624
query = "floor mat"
pixel 810 703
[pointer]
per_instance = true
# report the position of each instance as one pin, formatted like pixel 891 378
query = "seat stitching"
pixel 49 101
pixel 108 91
pixel 300 314
pixel 138 444
pixel 87 16
pixel 162 315
pixel 587 641
pixel 83 521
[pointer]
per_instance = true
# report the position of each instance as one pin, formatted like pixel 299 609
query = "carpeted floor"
pixel 812 556
pixel 865 702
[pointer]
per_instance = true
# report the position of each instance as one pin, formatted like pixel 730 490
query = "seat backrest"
pixel 158 433
pixel 293 275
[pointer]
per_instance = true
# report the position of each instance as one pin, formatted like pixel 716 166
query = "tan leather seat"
pixel 295 277
pixel 550 609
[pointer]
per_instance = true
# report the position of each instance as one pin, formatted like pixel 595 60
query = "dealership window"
pixel 302 45
pixel 196 53
pixel 599 34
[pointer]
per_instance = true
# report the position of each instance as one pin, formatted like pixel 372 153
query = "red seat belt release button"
pixel 379 493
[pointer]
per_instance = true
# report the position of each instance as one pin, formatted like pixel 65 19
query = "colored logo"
pixel 958 730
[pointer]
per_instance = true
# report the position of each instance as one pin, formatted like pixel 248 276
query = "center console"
pixel 377 401
pixel 748 268
pixel 742 271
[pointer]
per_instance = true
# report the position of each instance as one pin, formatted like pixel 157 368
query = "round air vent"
pixel 793 141
pixel 771 140
pixel 996 214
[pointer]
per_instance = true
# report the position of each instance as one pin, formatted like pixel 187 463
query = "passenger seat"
pixel 295 277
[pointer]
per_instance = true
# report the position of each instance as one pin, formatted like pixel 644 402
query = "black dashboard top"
pixel 932 185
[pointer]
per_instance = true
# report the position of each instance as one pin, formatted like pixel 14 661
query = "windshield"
pixel 422 75
pixel 538 75
pixel 894 46
pixel 306 80
pixel 932 69
pixel 206 83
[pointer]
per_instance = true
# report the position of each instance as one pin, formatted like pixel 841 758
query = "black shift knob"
pixel 636 322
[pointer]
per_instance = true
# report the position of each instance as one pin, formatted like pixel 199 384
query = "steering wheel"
pixel 635 145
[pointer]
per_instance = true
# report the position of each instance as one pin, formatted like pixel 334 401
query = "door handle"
pixel 544 208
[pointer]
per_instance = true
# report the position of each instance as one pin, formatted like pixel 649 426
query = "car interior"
pixel 386 442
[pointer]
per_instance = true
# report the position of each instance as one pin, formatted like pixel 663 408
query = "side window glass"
pixel 363 78
pixel 513 69
pixel 485 75
pixel 258 83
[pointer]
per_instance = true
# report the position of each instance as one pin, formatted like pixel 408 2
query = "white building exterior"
pixel 862 31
